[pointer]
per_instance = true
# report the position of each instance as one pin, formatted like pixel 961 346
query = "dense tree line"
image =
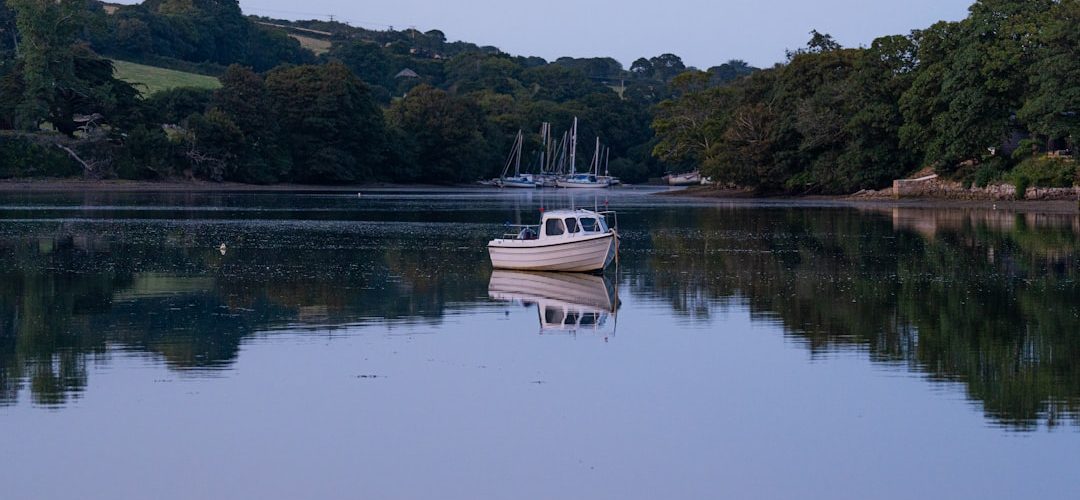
pixel 400 106
pixel 974 99
pixel 214 32
pixel 978 100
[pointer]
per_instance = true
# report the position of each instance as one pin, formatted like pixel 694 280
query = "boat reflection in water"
pixel 566 302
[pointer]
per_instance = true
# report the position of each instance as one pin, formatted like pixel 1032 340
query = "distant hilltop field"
pixel 196 89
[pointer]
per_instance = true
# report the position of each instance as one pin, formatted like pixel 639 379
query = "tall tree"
pixel 243 97
pixel 974 79
pixel 1052 109
pixel 329 123
pixel 689 126
pixel 9 35
pixel 47 31
pixel 444 134
pixel 872 155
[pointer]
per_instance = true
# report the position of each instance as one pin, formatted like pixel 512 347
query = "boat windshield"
pixel 554 227
pixel 589 225
pixel 572 225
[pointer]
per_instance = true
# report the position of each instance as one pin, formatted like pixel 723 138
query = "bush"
pixel 147 154
pixel 20 157
pixel 1045 172
pixel 1022 182
pixel 174 105
pixel 986 174
pixel 1026 149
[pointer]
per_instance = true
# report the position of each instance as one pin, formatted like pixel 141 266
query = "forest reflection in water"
pixel 982 298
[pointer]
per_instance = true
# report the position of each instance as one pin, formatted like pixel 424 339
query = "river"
pixel 329 345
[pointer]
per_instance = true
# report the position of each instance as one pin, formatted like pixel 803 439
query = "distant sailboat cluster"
pixel 556 164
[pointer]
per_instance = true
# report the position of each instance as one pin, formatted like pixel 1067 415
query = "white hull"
pixel 584 254
pixel 688 179
pixel 513 183
pixel 573 184
pixel 546 180
pixel 570 302
pixel 583 291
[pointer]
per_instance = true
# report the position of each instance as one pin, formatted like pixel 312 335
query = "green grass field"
pixel 315 45
pixel 150 79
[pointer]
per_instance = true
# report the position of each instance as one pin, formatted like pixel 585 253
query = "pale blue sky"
pixel 703 33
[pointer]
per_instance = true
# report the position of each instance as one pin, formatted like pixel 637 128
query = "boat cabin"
pixel 559 316
pixel 565 224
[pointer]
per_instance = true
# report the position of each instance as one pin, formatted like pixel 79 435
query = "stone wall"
pixel 934 187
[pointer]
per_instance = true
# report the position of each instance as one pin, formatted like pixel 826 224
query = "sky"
pixel 703 33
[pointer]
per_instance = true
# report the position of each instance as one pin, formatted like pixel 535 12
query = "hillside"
pixel 150 80
pixel 324 102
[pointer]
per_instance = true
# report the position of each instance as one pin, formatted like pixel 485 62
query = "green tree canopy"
pixel 329 124
pixel 443 134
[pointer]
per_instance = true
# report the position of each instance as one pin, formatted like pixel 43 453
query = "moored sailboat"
pixel 518 180
pixel 590 179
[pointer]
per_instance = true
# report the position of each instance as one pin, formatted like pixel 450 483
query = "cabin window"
pixel 589 225
pixel 553 316
pixel 572 225
pixel 554 227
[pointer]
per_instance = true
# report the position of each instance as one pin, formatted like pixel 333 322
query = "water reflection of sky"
pixel 357 357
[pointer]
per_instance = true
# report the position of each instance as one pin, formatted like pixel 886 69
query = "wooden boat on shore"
pixel 565 240
pixel 685 179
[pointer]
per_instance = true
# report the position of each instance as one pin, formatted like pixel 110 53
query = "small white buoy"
pixel 359 195
pixel 222 249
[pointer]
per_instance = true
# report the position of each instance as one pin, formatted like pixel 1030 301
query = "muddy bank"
pixel 880 201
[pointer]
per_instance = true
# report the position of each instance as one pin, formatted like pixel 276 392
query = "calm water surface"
pixel 361 347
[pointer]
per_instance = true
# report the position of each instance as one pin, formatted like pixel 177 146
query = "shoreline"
pixel 194 186
pixel 743 196
pixel 694 192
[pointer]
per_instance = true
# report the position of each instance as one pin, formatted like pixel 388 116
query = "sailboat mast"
pixel 573 148
pixel 595 167
pixel 517 159
pixel 562 152
pixel 543 146
pixel 552 148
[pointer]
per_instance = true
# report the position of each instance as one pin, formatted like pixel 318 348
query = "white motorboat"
pixel 571 302
pixel 565 240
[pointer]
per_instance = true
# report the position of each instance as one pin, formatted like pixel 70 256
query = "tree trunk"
pixel 89 168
